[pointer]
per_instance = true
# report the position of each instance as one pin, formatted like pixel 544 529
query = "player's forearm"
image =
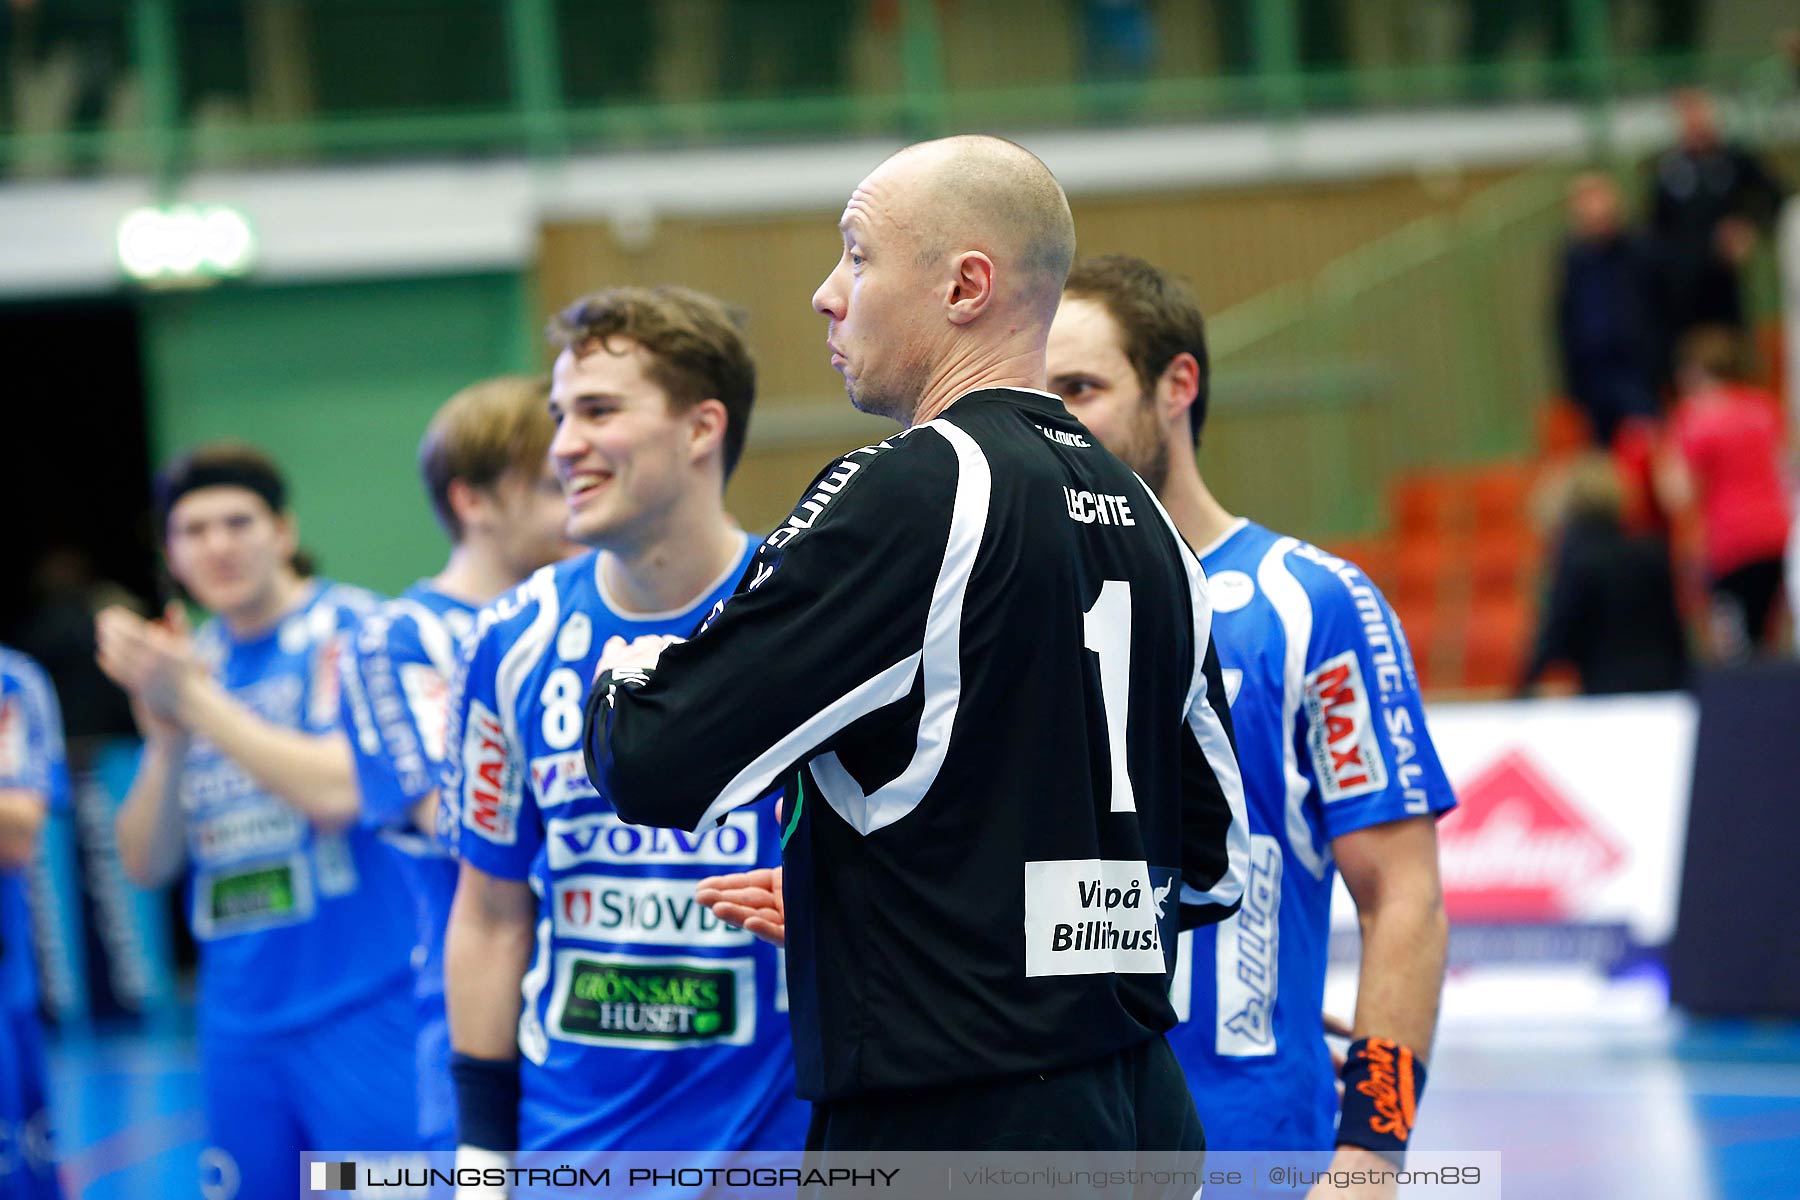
pixel 149 827
pixel 487 950
pixel 21 820
pixel 1405 940
pixel 313 773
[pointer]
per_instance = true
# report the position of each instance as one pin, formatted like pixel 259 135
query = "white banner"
pixel 1561 864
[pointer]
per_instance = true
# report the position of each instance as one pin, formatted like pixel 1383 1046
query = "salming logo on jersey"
pixel 1062 437
pixel 1340 732
pixel 824 492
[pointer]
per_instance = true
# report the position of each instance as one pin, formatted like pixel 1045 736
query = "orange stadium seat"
pixel 1422 565
pixel 1426 503
pixel 1496 643
pixel 1502 563
pixel 1502 495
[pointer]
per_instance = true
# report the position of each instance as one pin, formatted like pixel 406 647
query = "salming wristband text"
pixel 1383 1081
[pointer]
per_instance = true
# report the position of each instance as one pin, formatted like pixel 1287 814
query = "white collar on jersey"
pixel 625 614
pixel 1231 531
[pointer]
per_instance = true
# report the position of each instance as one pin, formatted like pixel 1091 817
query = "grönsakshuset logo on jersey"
pixel 1517 849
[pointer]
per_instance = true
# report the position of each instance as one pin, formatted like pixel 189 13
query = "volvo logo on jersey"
pixel 604 838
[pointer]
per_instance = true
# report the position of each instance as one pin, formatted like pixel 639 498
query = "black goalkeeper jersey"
pixel 976 656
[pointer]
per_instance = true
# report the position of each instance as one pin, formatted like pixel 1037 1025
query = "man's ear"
pixel 707 421
pixel 289 525
pixel 1178 387
pixel 468 502
pixel 971 286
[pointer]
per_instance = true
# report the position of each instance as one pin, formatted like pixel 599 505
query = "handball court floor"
pixel 1699 1111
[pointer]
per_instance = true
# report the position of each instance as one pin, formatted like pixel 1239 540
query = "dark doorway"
pixel 74 486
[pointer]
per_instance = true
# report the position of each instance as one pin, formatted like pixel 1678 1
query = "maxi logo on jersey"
pixel 604 838
pixel 491 791
pixel 651 912
pixel 1341 732
pixel 1393 663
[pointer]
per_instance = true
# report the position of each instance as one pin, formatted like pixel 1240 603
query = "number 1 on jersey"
pixel 1106 630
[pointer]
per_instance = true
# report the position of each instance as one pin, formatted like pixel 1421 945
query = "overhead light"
pixel 185 243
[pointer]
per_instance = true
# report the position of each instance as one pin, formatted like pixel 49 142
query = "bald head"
pixel 955 252
pixel 975 192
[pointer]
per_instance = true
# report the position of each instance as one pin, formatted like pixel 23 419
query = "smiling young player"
pixel 647 1023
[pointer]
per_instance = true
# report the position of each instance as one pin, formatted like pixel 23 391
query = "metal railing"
pixel 163 86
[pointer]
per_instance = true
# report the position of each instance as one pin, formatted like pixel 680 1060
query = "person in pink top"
pixel 1725 460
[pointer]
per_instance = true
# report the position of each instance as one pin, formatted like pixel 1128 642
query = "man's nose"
pixel 828 299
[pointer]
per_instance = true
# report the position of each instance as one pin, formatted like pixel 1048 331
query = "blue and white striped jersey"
pixel 396 696
pixel 1331 738
pixel 293 924
pixel 32 759
pixel 648 1023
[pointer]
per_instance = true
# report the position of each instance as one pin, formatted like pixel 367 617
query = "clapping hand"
pixel 152 660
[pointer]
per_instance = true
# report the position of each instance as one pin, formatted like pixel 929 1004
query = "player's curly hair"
pixel 696 348
pixel 1157 315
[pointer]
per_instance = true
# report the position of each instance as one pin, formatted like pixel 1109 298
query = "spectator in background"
pixel 1708 199
pixel 1610 612
pixel 1724 460
pixel 1605 311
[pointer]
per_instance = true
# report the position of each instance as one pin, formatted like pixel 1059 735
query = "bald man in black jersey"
pixel 977 658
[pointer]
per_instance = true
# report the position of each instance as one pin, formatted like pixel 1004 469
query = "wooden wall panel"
pixel 1231 244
